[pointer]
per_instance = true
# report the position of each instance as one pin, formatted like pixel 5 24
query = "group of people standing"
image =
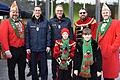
pixel 85 54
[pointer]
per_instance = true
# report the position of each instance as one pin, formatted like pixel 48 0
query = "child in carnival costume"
pixel 88 61
pixel 63 53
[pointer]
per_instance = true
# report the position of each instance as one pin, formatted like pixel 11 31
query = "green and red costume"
pixel 80 25
pixel 88 60
pixel 13 38
pixel 64 49
pixel 109 42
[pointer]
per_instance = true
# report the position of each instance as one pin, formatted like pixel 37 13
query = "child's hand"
pixel 47 49
pixel 28 51
pixel 99 73
pixel 76 72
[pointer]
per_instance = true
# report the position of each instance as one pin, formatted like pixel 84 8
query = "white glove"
pixel 8 54
pixel 47 49
pixel 28 51
pixel 99 73
pixel 76 72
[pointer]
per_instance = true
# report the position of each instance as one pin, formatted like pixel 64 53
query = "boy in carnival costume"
pixel 88 61
pixel 63 53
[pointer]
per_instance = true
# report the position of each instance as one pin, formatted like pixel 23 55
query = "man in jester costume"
pixel 108 38
pixel 12 40
pixel 64 53
pixel 83 22
pixel 87 60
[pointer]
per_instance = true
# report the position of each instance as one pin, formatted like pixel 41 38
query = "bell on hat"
pixel 105 7
pixel 14 6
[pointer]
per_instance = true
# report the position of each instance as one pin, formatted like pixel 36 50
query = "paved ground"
pixel 4 76
pixel 4 73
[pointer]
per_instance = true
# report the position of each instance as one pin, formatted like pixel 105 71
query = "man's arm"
pixel 115 46
pixel 27 36
pixel 4 35
pixel 70 28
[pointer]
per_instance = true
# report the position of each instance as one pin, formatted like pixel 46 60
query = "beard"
pixel 15 17
pixel 83 18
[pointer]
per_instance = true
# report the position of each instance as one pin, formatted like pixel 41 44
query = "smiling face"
pixel 14 14
pixel 87 37
pixel 106 14
pixel 59 11
pixel 14 11
pixel 65 35
pixel 37 12
pixel 86 34
pixel 83 14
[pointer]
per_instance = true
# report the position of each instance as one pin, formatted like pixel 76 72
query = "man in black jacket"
pixel 58 22
pixel 38 42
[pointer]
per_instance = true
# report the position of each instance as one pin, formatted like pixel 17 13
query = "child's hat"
pixel 65 30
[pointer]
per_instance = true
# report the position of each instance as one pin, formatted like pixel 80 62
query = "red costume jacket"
pixel 109 45
pixel 8 36
pixel 57 50
pixel 80 25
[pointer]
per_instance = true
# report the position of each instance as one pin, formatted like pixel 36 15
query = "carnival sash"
pixel 101 33
pixel 17 28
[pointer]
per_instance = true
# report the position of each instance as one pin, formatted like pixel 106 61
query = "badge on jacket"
pixel 37 28
pixel 59 26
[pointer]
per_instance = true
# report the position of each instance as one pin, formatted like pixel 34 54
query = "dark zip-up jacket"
pixel 57 25
pixel 38 34
pixel 97 58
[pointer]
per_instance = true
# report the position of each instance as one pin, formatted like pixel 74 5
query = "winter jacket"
pixel 57 25
pixel 38 34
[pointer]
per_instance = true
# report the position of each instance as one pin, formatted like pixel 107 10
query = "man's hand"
pixel 8 54
pixel 28 51
pixel 76 72
pixel 99 73
pixel 47 49
pixel 28 54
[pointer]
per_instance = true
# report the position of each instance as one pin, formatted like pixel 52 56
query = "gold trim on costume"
pixel 60 43
pixel 92 20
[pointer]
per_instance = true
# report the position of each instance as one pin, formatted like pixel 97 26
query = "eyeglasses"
pixel 82 12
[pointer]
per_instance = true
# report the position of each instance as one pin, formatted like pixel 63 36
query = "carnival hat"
pixel 105 7
pixel 14 6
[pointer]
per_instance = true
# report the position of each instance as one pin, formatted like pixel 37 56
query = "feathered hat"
pixel 105 7
pixel 14 6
